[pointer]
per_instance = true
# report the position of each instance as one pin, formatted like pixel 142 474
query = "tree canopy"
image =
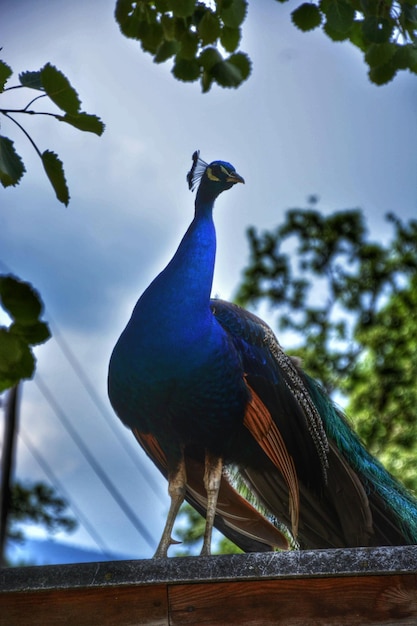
pixel 349 304
pixel 203 38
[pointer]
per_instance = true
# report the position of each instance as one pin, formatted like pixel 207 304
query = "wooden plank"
pixel 372 600
pixel 267 565
pixel 362 586
pixel 125 606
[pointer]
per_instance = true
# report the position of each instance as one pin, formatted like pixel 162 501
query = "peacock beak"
pixel 235 178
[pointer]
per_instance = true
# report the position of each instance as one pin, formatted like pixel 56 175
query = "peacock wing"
pixel 314 486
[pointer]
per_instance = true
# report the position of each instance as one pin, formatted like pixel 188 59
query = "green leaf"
pixel 183 8
pixel 162 5
pixel 339 15
pixel 59 89
pixel 84 121
pixel 23 304
pixel 10 350
pixel 32 80
pixel 412 62
pixel 242 62
pixel 233 13
pixel 209 57
pixel 32 334
pixel 306 17
pixel 180 28
pixel 377 29
pixel 151 36
pixel 380 53
pixel 206 81
pixel 166 50
pixel 227 74
pixel 128 15
pixel 209 28
pixel 5 73
pixel 168 25
pixel 11 165
pixel 356 36
pixel 16 360
pixel 382 74
pixel 410 13
pixel 55 172
pixel 20 300
pixel 186 70
pixel 189 46
pixel 401 57
pixel 229 38
pixel 335 35
pixel 406 57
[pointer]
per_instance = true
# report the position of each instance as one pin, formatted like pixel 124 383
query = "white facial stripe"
pixel 211 176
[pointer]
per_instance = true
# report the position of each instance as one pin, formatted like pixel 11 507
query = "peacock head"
pixel 211 178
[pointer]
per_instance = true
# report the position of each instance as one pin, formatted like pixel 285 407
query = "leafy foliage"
pixel 24 306
pixel 351 303
pixel 59 90
pixel 11 165
pixel 192 32
pixel 382 387
pixel 5 73
pixel 55 172
pixel 307 16
pixel 53 84
pixel 37 503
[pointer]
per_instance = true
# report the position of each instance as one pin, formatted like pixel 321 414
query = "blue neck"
pixel 178 299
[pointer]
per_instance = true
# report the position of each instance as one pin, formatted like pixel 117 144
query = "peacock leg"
pixel 176 490
pixel 212 480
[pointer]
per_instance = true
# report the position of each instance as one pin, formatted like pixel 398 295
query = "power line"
pixel 117 496
pixel 95 398
pixel 60 488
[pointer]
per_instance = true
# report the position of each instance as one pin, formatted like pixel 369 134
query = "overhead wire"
pixel 94 464
pixel 102 409
pixel 80 515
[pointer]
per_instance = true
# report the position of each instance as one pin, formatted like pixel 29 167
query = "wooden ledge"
pixel 326 587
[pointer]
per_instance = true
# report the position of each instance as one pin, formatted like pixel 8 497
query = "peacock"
pixel 235 425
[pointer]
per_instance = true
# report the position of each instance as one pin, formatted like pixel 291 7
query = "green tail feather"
pixel 375 478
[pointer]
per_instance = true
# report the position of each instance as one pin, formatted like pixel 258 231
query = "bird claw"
pixel 173 542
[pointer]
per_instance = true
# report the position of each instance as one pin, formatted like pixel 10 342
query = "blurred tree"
pixel 349 303
pixel 36 503
pixel 203 38
pixel 382 388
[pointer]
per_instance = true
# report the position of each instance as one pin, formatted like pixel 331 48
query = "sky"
pixel 308 121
